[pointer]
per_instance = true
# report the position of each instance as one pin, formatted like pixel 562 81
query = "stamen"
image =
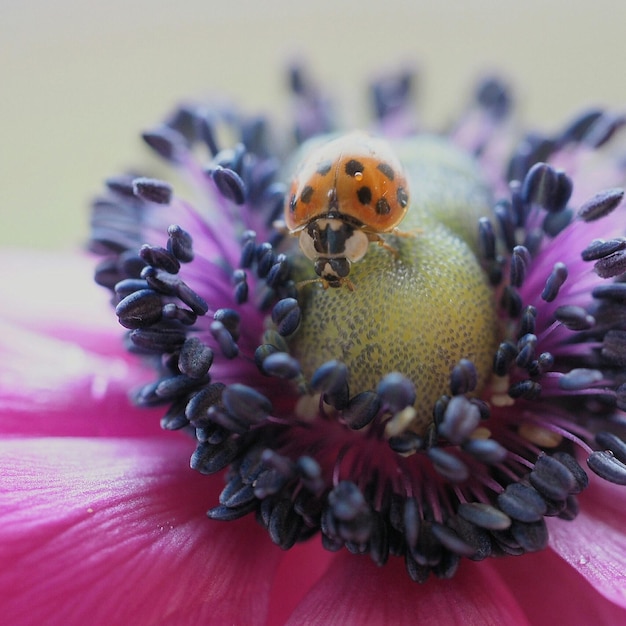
pixel 598 248
pixel 229 184
pixel 195 358
pixel 159 258
pixel 600 205
pixel 153 190
pixel 574 317
pixel 167 143
pixel 460 419
pixel 361 410
pixel 180 244
pixel 139 309
pixel 522 503
pixel 555 281
pixel 528 321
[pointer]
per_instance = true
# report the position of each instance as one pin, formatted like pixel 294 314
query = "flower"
pixel 430 418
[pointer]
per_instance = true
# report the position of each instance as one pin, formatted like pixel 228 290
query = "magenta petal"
pixel 595 543
pixel 50 386
pixel 54 293
pixel 114 532
pixel 551 592
pixel 355 592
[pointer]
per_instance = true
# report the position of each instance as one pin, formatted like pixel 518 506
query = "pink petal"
pixel 114 532
pixel 551 592
pixel 300 569
pixel 355 592
pixel 54 293
pixel 56 387
pixel 595 542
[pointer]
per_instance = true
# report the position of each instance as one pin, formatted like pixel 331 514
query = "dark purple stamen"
pixel 600 205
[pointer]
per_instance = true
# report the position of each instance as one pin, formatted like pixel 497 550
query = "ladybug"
pixel 345 193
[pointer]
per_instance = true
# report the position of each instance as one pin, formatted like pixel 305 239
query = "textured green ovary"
pixel 418 313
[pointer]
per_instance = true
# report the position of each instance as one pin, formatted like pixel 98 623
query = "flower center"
pixel 418 312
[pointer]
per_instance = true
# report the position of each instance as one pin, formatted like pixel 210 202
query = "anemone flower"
pixel 430 430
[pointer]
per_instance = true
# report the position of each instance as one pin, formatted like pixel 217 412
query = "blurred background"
pixel 79 80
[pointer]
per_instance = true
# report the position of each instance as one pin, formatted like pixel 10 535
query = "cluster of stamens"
pixel 305 455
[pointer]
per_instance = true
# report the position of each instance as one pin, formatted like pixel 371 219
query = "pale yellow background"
pixel 79 79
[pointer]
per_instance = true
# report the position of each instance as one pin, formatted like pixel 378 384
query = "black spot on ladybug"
pixel 402 196
pixel 387 170
pixel 306 194
pixel 353 167
pixel 364 194
pixel 292 203
pixel 382 207
pixel 324 167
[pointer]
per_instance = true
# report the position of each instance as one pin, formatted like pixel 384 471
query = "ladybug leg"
pixel 406 233
pixel 325 284
pixel 376 238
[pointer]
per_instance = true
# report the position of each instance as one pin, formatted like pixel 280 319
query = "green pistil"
pixel 420 312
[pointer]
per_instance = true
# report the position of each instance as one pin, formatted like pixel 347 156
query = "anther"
pixel 279 271
pixel 610 441
pixel 209 459
pixel 520 260
pixel 229 184
pixel 613 291
pixel 555 281
pixel 173 386
pixel 361 410
pixel 173 312
pixel 463 378
pixel 224 339
pixel 245 403
pixel 612 265
pixel 160 258
pixel 240 282
pixel 167 143
pixel 527 389
pixel 195 358
pixel 180 243
pixel 460 419
pixel 607 466
pixel 574 317
pixel 396 392
pixel 159 340
pixel 504 357
pixel 485 450
pixel 199 404
pixel 448 465
pixel 522 503
pixel 526 350
pixel 506 222
pixel 580 378
pixel 484 515
pixel 265 259
pixel 552 479
pixel 281 365
pixel 532 536
pixel 599 248
pixel 139 309
pixel 153 190
pixel 600 205
pixel 286 314
pixel 129 285
pixel 248 249
pixel 486 239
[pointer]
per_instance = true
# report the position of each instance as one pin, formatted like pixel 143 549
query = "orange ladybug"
pixel 344 194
